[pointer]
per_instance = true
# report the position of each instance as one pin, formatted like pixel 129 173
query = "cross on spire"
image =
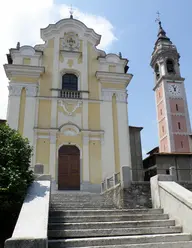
pixel 158 19
pixel 71 11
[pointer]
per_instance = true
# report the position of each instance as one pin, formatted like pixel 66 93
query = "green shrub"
pixel 15 176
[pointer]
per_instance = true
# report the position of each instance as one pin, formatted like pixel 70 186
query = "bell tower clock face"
pixel 174 90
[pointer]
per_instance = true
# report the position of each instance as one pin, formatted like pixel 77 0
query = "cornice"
pixel 13 70
pixel 110 77
pixel 112 59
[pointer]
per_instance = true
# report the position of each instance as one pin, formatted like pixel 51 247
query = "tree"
pixel 15 155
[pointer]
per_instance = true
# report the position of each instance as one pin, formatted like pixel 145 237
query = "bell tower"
pixel 171 103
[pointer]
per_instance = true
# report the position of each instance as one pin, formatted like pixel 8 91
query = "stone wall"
pixel 138 195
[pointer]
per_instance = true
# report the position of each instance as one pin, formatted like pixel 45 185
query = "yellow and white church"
pixel 70 100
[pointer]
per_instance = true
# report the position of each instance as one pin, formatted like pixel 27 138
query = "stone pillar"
pixel 14 105
pixel 173 172
pixel 126 176
pixel 154 183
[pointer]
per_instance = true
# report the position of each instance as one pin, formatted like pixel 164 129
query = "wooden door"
pixel 69 168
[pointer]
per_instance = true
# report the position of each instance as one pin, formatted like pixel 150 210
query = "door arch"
pixel 69 168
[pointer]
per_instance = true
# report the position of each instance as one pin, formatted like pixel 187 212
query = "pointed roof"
pixel 162 35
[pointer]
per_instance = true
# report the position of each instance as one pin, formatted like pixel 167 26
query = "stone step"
pixel 57 212
pixel 78 207
pixel 76 233
pixel 82 206
pixel 103 218
pixel 79 198
pixel 182 244
pixel 80 202
pixel 120 240
pixel 120 224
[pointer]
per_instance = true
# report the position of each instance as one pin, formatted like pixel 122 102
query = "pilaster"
pixel 14 105
pixel 107 148
pixel 52 158
pixel 123 134
pixel 85 159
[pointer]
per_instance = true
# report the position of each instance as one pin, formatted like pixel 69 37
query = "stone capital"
pixel 15 90
pixel 121 95
pixel 31 90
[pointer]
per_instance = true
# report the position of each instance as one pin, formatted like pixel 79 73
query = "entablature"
pixel 12 70
pixel 116 78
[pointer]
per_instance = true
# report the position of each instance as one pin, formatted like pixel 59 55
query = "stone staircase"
pixel 87 220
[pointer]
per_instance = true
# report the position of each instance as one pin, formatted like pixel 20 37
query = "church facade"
pixel 70 100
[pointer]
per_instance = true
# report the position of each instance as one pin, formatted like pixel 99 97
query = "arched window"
pixel 69 82
pixel 157 72
pixel 170 66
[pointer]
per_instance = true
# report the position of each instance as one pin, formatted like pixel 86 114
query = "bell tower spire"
pixel 171 103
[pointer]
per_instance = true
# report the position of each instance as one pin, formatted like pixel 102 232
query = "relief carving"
pixel 70 107
pixel 70 42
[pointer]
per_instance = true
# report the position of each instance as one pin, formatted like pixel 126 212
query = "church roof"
pixel 162 35
pixel 73 25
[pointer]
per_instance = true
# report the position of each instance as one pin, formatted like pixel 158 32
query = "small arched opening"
pixel 157 72
pixel 170 66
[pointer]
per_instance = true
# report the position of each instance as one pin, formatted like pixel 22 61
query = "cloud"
pixel 100 24
pixel 21 20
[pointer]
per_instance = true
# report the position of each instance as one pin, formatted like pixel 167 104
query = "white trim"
pixel 71 144
pixel 123 135
pixel 53 114
pixel 55 82
pixel 107 148
pixel 13 111
pixel 182 133
pixel 52 160
pixel 71 71
pixel 168 119
pixel 84 85
pixel 72 100
pixel 43 137
pixel 85 165
pixel 71 25
pixel 85 115
pixel 106 77
pixel 13 70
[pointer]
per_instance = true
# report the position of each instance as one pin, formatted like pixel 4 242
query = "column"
pixel 123 129
pixel 14 105
pixel 107 149
pixel 52 158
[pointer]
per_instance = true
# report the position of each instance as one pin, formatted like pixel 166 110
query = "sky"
pixel 126 26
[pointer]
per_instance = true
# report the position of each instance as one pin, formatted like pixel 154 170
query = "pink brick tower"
pixel 171 103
